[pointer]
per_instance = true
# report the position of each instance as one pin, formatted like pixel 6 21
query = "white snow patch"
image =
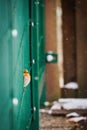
pixel 45 111
pixel 56 106
pixel 71 85
pixel 72 103
pixel 77 119
pixel 54 102
pixel 50 112
pixel 73 114
pixel 66 100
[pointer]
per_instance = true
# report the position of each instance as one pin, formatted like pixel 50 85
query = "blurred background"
pixel 66 30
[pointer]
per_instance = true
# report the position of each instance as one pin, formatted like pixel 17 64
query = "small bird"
pixel 27 78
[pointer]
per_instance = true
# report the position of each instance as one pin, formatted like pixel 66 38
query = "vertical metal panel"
pixel 5 83
pixel 38 56
pixel 21 61
pixel 42 80
pixel 15 58
pixel 35 65
pixel 21 42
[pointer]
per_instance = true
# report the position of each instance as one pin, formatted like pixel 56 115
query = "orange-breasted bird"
pixel 27 78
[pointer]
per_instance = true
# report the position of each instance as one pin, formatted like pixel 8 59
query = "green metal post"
pixel 35 60
pixel 38 58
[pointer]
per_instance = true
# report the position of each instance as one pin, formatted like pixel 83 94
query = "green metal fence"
pixel 38 56
pixel 21 47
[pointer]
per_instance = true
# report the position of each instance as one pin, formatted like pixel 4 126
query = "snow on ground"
pixel 66 104
pixel 73 103
pixel 71 85
pixel 49 111
pixel 73 114
pixel 77 119
pixel 56 106
pixel 70 103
